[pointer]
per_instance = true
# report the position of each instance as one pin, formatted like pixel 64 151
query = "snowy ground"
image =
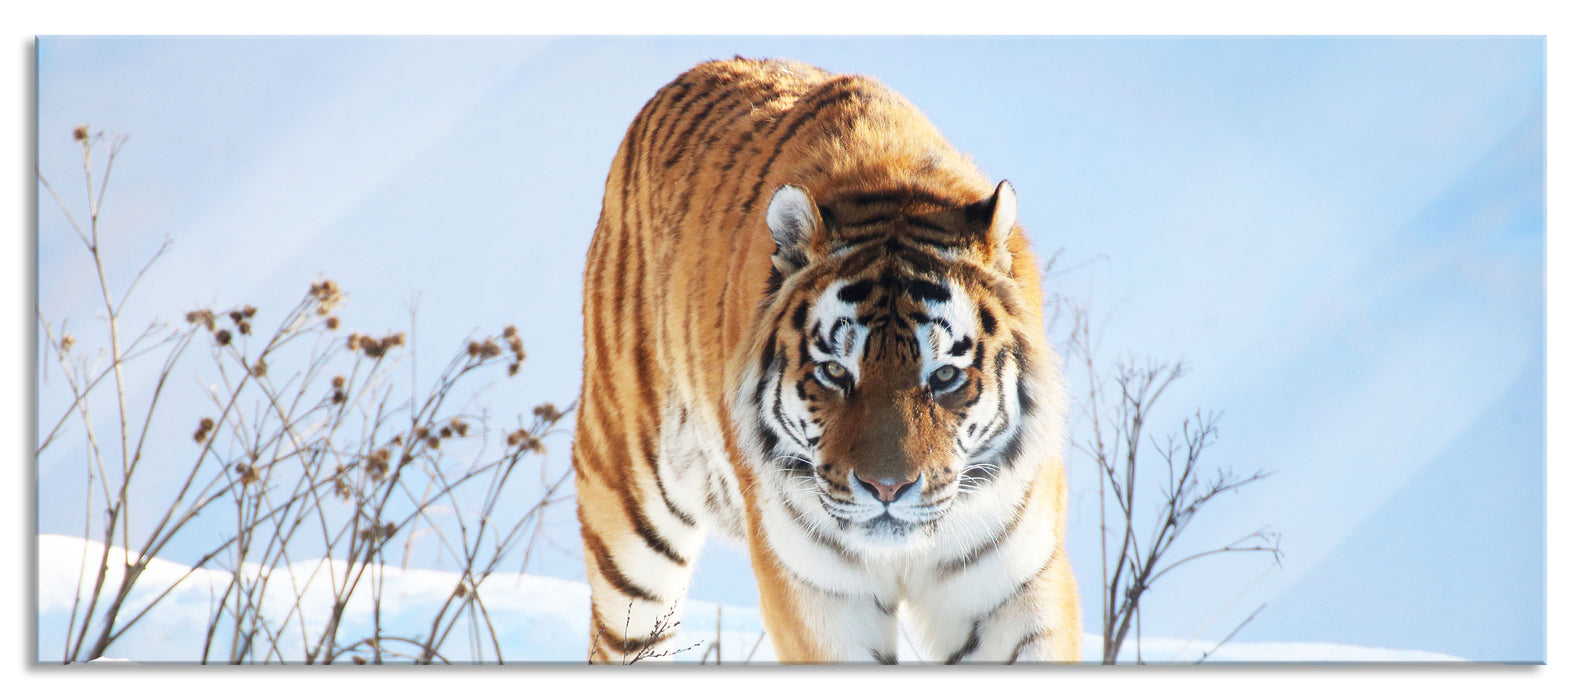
pixel 535 618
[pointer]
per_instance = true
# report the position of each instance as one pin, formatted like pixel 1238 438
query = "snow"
pixel 536 619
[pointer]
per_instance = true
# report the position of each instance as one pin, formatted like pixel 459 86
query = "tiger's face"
pixel 887 391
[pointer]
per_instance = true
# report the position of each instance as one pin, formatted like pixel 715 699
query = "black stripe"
pixel 1024 585
pixel 884 218
pixel 772 284
pixel 903 195
pixel 631 645
pixel 821 539
pixel 886 609
pixel 852 90
pixel 785 422
pixel 592 304
pixel 986 319
pixel 711 498
pixel 847 243
pixel 916 222
pixel 769 442
pixel 796 578
pixel 645 529
pixel 1024 395
pixel 925 290
pixel 767 360
pixel 958 565
pixel 855 292
pixel 664 494
pixel 678 149
pixel 970 646
pixel 610 571
pixel 1002 419
pixel 1029 639
pixel 730 99
pixel 883 657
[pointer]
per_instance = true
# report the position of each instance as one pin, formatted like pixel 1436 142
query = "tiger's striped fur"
pixel 812 325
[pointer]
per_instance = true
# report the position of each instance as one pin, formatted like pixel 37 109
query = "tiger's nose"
pixel 886 489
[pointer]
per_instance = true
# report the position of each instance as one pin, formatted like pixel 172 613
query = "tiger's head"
pixel 894 377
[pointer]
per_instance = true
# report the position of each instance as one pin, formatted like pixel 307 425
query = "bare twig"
pixel 311 440
pixel 1116 430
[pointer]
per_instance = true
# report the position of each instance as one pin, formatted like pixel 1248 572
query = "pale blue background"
pixel 1344 237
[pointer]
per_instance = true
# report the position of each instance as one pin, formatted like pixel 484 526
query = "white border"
pixel 810 17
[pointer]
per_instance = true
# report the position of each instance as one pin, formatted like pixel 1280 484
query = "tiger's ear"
pixel 793 220
pixel 997 216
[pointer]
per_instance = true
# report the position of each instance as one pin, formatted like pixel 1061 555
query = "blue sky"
pixel 1344 237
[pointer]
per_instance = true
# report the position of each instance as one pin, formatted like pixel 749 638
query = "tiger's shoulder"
pixel 710 148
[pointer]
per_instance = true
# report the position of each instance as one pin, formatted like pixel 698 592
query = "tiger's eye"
pixel 834 369
pixel 944 375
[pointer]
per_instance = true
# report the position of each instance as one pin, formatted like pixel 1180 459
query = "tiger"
pixel 815 328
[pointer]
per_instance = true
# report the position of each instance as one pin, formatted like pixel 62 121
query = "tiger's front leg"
pixel 816 622
pixel 1011 607
pixel 639 551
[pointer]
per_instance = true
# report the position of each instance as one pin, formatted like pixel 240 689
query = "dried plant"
pixel 310 453
pixel 1112 430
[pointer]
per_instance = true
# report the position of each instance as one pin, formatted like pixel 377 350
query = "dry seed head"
pixel 249 310
pixel 245 328
pixel 461 591
pixel 260 368
pixel 421 433
pixel 534 444
pixel 338 382
pixel 459 425
pixel 66 341
pixel 222 337
pixel 433 442
pixel 204 426
pixel 203 316
pixel 236 317
pixel 338 397
pixel 445 432
pixel 359 660
pixel 353 341
pixel 328 295
pixel 332 323
pixel 513 369
pixel 80 133
pixel 509 332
